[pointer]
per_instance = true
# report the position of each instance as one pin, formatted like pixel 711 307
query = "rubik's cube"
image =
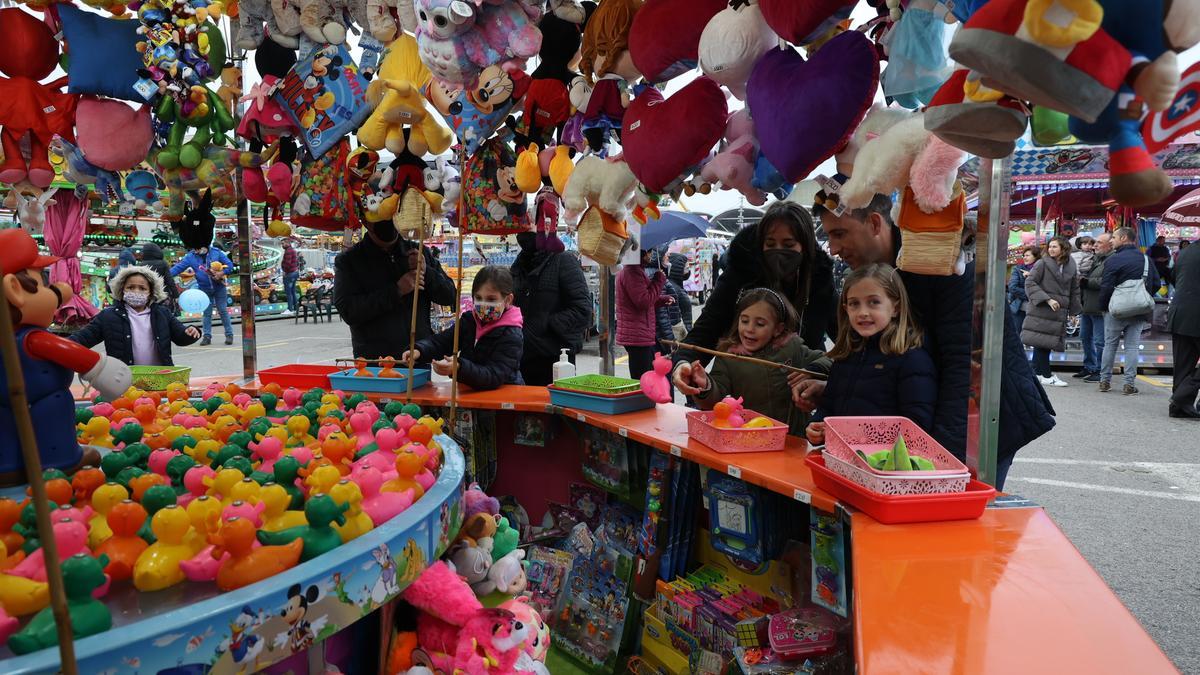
pixel 752 633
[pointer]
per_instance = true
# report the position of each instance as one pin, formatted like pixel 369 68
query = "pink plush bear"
pixel 733 167
pixel 456 39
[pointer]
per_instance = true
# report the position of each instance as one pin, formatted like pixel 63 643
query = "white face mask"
pixel 136 298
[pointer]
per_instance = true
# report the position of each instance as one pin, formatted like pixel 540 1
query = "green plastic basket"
pixel 156 378
pixel 604 385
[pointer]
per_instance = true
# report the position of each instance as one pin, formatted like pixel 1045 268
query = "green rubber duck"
pixel 130 432
pixel 412 410
pixel 51 474
pixel 319 536
pixel 176 468
pixel 115 462
pixel 353 400
pixel 81 575
pixel 140 452
pixel 269 402
pixel 241 438
pixel 393 409
pixel 241 464
pixel 83 415
pixel 128 474
pixel 226 453
pixel 183 443
pixel 286 470
pixel 259 427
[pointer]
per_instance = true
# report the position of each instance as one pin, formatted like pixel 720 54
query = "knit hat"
pixel 158 291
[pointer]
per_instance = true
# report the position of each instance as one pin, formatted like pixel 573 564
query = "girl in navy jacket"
pixel 879 365
pixel 490 339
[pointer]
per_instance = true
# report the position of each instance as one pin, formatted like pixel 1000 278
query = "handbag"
pixel 1130 298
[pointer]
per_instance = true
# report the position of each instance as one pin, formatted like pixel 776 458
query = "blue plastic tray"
pixel 609 405
pixel 346 381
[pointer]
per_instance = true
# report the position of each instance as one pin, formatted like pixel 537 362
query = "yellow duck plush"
pixel 395 94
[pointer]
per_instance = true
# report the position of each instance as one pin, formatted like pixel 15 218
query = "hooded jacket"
pixel 489 354
pixel 638 299
pixel 152 257
pixel 869 382
pixel 366 294
pixel 111 326
pixel 745 268
pixel 555 302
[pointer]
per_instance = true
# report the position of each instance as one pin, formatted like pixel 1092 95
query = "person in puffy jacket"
pixel 138 328
pixel 490 339
pixel 677 274
pixel 152 257
pixel 555 303
pixel 1053 290
pixel 639 294
pixel 1018 301
pixel 1126 263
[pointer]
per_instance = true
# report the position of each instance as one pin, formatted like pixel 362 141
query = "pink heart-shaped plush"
pixel 663 137
pixel 802 22
pixel 804 111
pixel 665 36
pixel 111 134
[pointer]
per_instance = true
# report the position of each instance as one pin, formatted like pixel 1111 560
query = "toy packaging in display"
pixel 326 97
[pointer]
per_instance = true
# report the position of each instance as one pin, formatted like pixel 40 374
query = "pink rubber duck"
pixel 71 537
pixel 292 397
pixel 74 513
pixel 383 459
pixel 654 382
pixel 403 423
pixel 360 422
pixel 735 416
pixel 370 409
pixel 213 389
pixel 103 410
pixel 194 483
pixel 240 509
pixel 242 400
pixel 380 506
pixel 267 451
pixel 158 460
pixel 302 453
pixel 8 626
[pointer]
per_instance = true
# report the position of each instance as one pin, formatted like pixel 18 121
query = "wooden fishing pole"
pixel 462 215
pixel 748 359
pixel 41 502
pixel 412 326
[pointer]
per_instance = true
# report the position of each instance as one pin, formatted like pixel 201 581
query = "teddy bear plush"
pixel 324 21
pixel 609 185
pixel 386 18
pixel 281 18
pixel 456 633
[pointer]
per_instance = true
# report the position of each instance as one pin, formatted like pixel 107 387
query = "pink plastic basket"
pixel 721 439
pixel 845 435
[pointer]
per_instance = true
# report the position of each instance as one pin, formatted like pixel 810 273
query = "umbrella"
pixel 1183 213
pixel 673 225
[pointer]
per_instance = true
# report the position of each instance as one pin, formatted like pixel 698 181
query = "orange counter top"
pixel 1007 593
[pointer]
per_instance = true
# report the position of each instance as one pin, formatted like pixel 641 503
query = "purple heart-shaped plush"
pixel 663 137
pixel 805 111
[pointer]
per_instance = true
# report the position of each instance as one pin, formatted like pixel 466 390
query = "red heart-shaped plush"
pixel 805 110
pixel 663 137
pixel 665 36
pixel 797 20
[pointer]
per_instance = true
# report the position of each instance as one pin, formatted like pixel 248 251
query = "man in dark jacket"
pixel 373 291
pixel 1160 257
pixel 290 267
pixel 1184 323
pixel 152 257
pixel 1091 322
pixel 1126 263
pixel 677 274
pixel 943 305
pixel 552 293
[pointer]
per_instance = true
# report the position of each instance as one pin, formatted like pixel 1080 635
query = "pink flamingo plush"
pixel 380 506
pixel 654 382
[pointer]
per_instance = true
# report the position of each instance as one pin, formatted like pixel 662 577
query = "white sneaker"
pixel 1046 381
pixel 1055 382
pixel 287 312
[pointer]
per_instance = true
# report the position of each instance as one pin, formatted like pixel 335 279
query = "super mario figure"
pixel 48 362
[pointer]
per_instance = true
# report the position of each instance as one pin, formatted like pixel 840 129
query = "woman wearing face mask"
pixel 490 340
pixel 139 327
pixel 779 253
pixel 639 294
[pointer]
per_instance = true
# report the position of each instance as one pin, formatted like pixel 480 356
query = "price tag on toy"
pixel 802 496
pixel 581 417
pixel 677 451
pixel 734 471
pixel 508 406
pixel 623 432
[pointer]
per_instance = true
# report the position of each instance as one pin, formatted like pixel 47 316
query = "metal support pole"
pixel 607 367
pixel 246 278
pixel 988 318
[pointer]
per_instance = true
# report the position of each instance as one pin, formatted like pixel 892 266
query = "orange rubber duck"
pixel 10 514
pixel 104 499
pixel 84 483
pixel 389 368
pixel 124 546
pixel 408 465
pixel 247 564
pixel 360 368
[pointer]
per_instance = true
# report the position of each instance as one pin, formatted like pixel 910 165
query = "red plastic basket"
pixel 721 439
pixel 845 435
pixel 298 375
pixel 896 509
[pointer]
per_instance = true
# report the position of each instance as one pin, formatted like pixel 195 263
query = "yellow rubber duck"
pixel 277 516
pixel 245 490
pixel 158 566
pixel 21 596
pixel 103 500
pixel 357 522
pixel 322 479
pixel 97 432
pixel 223 482
pixel 204 513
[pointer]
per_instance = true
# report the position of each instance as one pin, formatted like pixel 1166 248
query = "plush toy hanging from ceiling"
pixel 735 166
pixel 608 69
pixel 386 19
pixel 732 42
pixel 1119 54
pixel 111 134
pixel 102 55
pixel 802 22
pixel 547 105
pixel 30 110
pixel 916 53
pixel 281 19
pixel 664 138
pixel 829 93
pixel 264 122
pixel 326 97
pixel 399 120
pixel 475 113
pixel 214 173
pixel 493 203
pixel 665 36
pixel 458 38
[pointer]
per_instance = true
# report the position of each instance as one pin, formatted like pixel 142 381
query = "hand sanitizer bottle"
pixel 563 368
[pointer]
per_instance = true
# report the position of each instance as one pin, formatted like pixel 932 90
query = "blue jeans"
pixel 1091 333
pixel 1114 331
pixel 289 289
pixel 218 297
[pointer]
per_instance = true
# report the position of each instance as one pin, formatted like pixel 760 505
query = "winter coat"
pixel 1084 260
pixel 1045 327
pixel 555 302
pixel 489 355
pixel 1025 410
pixel 676 276
pixel 366 295
pixel 1184 315
pixel 765 390
pixel 1017 299
pixel 291 261
pixel 1089 286
pixel 200 265
pixel 1125 264
pixel 745 268
pixel 152 257
pixel 124 259
pixel 869 382
pixel 111 326
pixel 637 301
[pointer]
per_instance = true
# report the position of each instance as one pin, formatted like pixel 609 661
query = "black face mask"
pixel 527 241
pixel 782 262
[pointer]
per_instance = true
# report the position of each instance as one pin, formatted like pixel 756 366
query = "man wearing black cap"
pixel 373 291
